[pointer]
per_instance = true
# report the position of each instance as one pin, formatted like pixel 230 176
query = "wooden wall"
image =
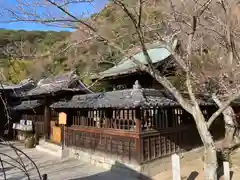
pixel 38 120
pixel 37 116
pixel 160 132
pixel 109 142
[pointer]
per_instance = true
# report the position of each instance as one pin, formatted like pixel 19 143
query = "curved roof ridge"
pixel 126 65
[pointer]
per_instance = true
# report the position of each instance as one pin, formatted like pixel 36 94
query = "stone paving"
pixel 70 169
pixel 55 168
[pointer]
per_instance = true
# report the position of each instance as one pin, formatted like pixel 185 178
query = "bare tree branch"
pixel 222 108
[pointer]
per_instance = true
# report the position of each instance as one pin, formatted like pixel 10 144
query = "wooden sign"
pixel 62 119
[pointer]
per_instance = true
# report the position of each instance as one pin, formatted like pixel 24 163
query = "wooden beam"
pixel 139 144
pixel 114 132
pixel 47 113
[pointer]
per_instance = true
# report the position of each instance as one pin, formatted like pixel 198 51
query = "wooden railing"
pixel 158 144
pixel 121 119
pixel 112 143
pixel 143 134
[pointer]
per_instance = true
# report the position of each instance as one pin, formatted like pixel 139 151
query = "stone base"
pixel 116 164
pixel 50 148
pixel 130 168
pixel 107 161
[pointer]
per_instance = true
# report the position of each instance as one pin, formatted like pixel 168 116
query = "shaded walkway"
pixel 57 169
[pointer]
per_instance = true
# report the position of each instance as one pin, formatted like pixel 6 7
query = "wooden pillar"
pixel 44 177
pixel 139 148
pixel 138 120
pixel 47 114
pixel 10 124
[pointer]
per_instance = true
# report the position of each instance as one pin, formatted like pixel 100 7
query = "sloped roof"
pixel 156 52
pixel 54 84
pixel 119 99
pixel 129 98
pixel 25 84
pixel 28 105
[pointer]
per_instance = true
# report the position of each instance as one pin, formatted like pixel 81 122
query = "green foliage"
pixel 99 86
pixel 113 23
pixel 39 40
pixel 35 42
pixel 94 56
pixel 17 70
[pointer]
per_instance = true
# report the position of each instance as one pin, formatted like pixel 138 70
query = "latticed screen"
pixel 106 118
pixel 113 144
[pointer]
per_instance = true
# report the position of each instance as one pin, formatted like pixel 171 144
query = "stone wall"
pixel 130 168
pixel 107 161
pixel 116 164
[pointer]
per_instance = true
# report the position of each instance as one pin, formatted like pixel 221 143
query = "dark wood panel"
pixel 120 133
pixel 38 122
pixel 167 130
pixel 125 147
pixel 163 143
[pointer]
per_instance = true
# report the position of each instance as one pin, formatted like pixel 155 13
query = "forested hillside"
pixel 36 40
pixel 36 54
pixel 18 50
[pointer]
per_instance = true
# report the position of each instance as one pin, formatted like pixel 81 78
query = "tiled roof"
pixel 122 99
pixel 54 84
pixel 29 105
pixel 156 52
pixel 25 84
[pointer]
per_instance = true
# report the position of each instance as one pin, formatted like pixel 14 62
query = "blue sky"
pixel 76 9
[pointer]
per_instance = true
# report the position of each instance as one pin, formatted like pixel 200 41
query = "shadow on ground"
pixel 118 169
pixel 193 175
pixel 121 171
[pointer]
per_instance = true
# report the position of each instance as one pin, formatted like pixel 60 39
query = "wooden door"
pixel 56 136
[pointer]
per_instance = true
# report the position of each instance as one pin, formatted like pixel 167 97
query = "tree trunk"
pixel 210 163
pixel 210 154
pixel 230 124
pixel 230 127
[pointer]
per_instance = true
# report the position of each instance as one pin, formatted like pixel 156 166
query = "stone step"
pixel 50 148
pixel 52 145
pixel 53 149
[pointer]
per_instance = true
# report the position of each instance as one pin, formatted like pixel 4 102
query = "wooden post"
pixel 139 148
pixel 226 170
pixel 46 122
pixel 137 120
pixel 138 126
pixel 62 121
pixel 176 174
pixel 44 177
pixel 62 138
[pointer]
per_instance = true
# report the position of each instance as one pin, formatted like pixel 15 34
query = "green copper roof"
pixel 156 52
